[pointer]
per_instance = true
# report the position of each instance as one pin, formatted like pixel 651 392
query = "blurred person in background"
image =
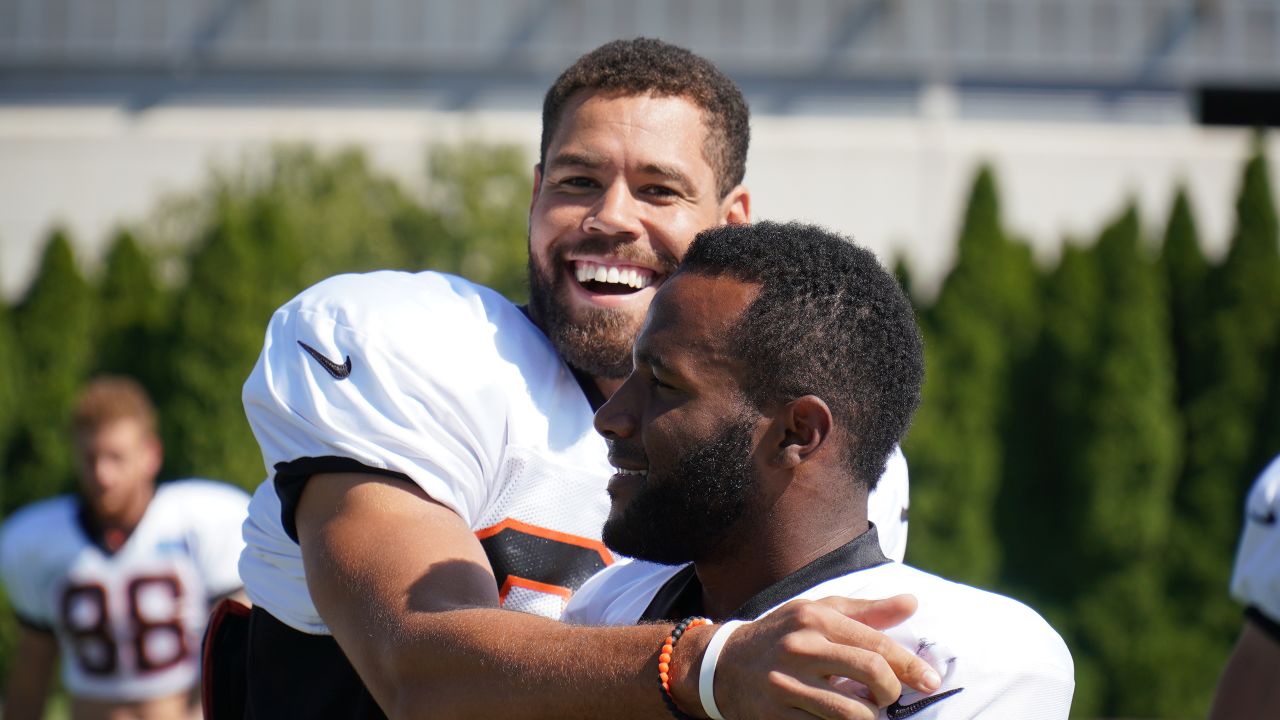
pixel 116 581
pixel 433 464
pixel 1250 683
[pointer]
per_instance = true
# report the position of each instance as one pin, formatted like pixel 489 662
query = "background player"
pixel 118 580
pixel 1250 684
pixel 425 414
pixel 776 372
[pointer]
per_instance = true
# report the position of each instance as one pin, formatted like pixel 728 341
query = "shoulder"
pixel 1264 496
pixel 982 619
pixel 408 333
pixel 201 499
pixel 1255 580
pixel 408 304
pixel 618 594
pixel 996 656
pixel 36 523
pixel 35 534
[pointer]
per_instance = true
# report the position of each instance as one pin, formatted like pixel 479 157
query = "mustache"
pixel 622 453
pixel 621 250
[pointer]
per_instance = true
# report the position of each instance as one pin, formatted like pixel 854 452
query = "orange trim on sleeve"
pixel 536 531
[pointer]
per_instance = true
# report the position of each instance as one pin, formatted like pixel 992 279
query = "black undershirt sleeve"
pixel 292 477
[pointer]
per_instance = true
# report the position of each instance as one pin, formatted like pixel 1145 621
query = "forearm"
pixel 490 663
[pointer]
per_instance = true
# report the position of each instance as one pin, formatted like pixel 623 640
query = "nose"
pixel 617 418
pixel 616 212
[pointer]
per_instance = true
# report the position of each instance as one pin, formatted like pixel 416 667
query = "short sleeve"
pixel 22 572
pixel 887 507
pixel 219 537
pixel 388 373
pixel 1255 581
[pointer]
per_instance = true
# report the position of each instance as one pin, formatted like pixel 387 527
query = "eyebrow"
pixel 650 358
pixel 592 161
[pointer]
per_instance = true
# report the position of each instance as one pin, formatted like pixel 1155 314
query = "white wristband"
pixel 707 673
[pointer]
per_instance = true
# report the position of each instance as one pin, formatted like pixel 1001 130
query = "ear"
pixel 735 209
pixel 805 423
pixel 155 454
pixel 537 186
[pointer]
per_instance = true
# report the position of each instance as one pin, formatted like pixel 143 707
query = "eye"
pixel 577 182
pixel 661 192
pixel 654 381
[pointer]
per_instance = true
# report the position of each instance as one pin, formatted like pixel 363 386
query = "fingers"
pixel 787 660
pixel 868 614
pixel 879 614
pixel 817 700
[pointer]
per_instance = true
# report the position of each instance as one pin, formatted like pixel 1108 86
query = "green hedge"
pixel 1087 434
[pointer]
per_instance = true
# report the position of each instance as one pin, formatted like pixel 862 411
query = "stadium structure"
pixel 870 116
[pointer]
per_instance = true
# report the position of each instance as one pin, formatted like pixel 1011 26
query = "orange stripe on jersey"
pixel 513 582
pixel 557 536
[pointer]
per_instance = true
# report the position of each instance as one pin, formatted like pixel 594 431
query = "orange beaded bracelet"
pixel 664 663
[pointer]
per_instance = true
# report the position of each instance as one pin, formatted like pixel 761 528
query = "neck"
pixel 778 542
pixel 116 527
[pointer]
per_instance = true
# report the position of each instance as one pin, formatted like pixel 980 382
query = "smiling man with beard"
pixel 432 464
pixel 777 370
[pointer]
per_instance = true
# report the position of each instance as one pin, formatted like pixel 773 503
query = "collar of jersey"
pixel 681 595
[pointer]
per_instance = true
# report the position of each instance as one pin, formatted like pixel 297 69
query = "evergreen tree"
pixel 1110 466
pixel 246 266
pixel 481 195
pixel 133 314
pixel 54 323
pixel 1225 413
pixel 902 273
pixel 982 325
pixel 10 376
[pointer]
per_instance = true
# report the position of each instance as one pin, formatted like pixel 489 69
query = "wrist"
pixel 685 666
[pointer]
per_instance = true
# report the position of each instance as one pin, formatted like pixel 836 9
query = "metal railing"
pixel 1163 42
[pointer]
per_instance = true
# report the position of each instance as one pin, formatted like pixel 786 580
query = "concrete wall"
pixel 897 184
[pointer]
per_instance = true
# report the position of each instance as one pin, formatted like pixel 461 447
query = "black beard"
pixel 598 344
pixel 686 515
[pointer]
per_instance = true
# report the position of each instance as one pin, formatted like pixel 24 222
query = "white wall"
pixel 898 185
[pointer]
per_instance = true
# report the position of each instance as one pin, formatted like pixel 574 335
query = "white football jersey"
pixel 128 623
pixel 433 379
pixel 1256 579
pixel 997 657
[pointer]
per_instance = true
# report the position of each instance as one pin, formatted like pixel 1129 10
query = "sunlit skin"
pixel 625 184
pixel 685 385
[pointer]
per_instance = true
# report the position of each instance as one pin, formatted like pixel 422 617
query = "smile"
pixel 624 471
pixel 604 277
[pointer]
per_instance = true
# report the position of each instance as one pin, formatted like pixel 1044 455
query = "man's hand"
pixel 782 665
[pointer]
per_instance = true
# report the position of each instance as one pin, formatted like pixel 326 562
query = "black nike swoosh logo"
pixel 339 372
pixel 1268 519
pixel 897 712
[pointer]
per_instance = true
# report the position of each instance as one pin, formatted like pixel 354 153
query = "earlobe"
pixel 808 423
pixel 537 186
pixel 736 208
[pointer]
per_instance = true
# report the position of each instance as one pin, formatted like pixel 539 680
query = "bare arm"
pixel 36 657
pixel 406 589
pixel 1250 684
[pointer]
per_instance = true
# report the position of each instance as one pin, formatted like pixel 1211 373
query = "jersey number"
pixel 86 613
pixel 538 559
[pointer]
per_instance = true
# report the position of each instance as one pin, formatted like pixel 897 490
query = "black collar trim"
pixel 681 595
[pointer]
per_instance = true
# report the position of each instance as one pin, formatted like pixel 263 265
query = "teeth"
pixel 621 471
pixel 637 278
